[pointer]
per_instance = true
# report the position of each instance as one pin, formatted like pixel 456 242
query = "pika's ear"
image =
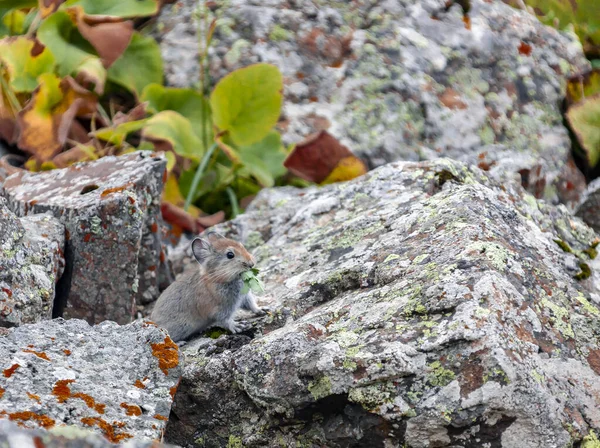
pixel 201 250
pixel 212 236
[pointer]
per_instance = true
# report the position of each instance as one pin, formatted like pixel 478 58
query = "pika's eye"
pixel 230 255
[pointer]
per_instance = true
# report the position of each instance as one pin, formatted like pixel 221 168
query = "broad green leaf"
pixel 10 4
pixel 584 118
pixel 258 168
pixel 347 169
pixel 175 129
pixel 116 135
pixel 23 67
pixel 247 103
pixel 270 151
pixel 73 54
pixel 188 102
pixel 118 8
pixel 13 22
pixel 140 65
pixel 251 282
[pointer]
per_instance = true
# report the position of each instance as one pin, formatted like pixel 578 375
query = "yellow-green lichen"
pixel 591 309
pixel 320 388
pixel 590 441
pixel 494 252
pixel 235 442
pixel 538 377
pixel 279 33
pixel 439 376
pixel 372 396
pixel 560 320
pixel 391 257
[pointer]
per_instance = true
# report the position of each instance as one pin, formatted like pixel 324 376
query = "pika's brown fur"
pixel 210 295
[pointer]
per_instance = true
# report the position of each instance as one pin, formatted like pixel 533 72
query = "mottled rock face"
pixel 420 304
pixel 117 381
pixel 111 210
pixel 31 263
pixel 14 436
pixel 403 80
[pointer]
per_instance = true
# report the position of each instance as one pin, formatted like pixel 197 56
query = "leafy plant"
pixel 78 82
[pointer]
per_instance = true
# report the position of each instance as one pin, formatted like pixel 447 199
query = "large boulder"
pixel 117 381
pixel 14 436
pixel 421 304
pixel 111 210
pixel 31 263
pixel 403 80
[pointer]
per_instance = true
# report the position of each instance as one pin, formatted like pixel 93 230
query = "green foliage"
pixel 247 103
pixel 116 8
pixel 175 129
pixel 140 65
pixel 22 67
pixel 251 282
pixel 584 119
pixel 74 55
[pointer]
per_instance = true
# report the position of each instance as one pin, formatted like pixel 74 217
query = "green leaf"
pixel 175 129
pixel 24 68
pixel 251 282
pixel 270 151
pixel 187 102
pixel 13 22
pixel 247 103
pixel 140 65
pixel 584 119
pixel 10 4
pixel 116 135
pixel 73 54
pixel 118 8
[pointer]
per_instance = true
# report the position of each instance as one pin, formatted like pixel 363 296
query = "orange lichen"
pixel 62 392
pixel 8 372
pixel 131 409
pixel 107 428
pixel 167 354
pixel 525 49
pixel 38 354
pixel 173 389
pixel 139 384
pixel 66 352
pixel 112 190
pixel 43 420
pixel 34 397
pixel 2 392
pixel 161 417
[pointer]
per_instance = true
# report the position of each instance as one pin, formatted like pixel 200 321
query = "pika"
pixel 209 295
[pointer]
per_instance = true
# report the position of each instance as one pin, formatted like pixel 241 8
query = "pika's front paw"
pixel 238 327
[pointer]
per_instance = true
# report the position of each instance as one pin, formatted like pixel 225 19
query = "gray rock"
pixel 14 436
pixel 114 380
pixel 403 80
pixel 31 263
pixel 589 207
pixel 111 210
pixel 422 304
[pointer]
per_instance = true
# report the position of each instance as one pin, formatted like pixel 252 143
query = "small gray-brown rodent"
pixel 210 295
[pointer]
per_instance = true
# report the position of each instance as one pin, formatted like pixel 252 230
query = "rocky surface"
pixel 111 210
pixel 31 263
pixel 403 80
pixel 117 381
pixel 421 304
pixel 13 436
pixel 589 207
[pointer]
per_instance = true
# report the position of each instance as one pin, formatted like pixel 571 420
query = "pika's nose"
pixel 249 264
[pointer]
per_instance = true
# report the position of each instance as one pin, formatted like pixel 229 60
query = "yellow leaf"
pixel 347 168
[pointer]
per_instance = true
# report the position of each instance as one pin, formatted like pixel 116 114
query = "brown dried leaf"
pixel 317 157
pixel 47 7
pixel 46 120
pixel 109 36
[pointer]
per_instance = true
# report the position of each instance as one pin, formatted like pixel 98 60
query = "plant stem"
pixel 198 176
pixel 235 208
